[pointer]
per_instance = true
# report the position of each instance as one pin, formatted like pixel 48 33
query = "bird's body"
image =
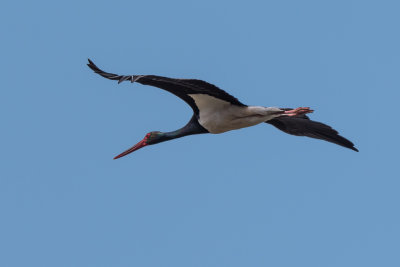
pixel 216 111
pixel 219 116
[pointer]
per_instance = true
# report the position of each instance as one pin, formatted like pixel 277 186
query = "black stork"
pixel 215 111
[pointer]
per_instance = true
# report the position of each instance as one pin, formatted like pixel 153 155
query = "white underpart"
pixel 218 116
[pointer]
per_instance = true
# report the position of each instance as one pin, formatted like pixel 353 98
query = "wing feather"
pixel 179 87
pixel 303 126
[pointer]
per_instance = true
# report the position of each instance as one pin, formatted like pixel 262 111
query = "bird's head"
pixel 149 139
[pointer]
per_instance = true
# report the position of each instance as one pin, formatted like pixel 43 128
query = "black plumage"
pixel 299 125
pixel 179 87
pixel 302 126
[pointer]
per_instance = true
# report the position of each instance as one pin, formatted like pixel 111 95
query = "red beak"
pixel 134 148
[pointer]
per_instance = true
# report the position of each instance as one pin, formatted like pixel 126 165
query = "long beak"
pixel 134 148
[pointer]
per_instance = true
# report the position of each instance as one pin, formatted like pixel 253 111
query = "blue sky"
pixel 254 197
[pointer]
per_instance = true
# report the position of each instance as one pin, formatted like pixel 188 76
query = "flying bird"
pixel 215 111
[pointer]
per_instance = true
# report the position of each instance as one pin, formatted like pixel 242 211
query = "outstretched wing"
pixel 182 88
pixel 302 126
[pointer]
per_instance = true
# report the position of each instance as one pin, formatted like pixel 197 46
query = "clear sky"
pixel 253 197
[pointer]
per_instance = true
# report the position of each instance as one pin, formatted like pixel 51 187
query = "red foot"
pixel 298 111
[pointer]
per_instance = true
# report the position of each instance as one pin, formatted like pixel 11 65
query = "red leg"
pixel 298 111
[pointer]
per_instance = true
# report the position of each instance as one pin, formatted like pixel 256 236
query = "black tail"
pixel 302 126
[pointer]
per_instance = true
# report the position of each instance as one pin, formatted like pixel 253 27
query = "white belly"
pixel 218 116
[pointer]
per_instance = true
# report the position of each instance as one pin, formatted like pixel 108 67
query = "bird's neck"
pixel 192 127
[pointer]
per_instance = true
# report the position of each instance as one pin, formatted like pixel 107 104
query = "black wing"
pixel 179 87
pixel 302 126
